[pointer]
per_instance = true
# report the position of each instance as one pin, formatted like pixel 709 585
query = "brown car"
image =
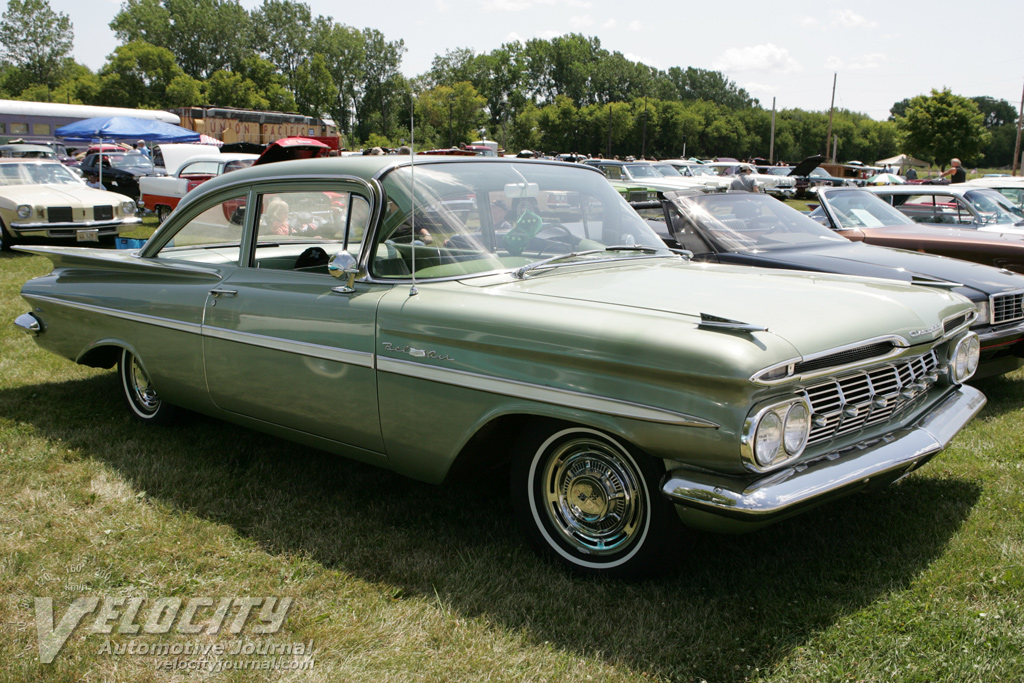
pixel 860 216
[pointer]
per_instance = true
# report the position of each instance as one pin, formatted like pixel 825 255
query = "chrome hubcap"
pixel 145 397
pixel 593 496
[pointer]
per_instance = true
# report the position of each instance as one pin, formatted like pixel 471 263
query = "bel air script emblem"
pixel 416 353
pixel 933 328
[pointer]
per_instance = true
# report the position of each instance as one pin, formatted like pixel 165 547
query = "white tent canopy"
pixel 902 160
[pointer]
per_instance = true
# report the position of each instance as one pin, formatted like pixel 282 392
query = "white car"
pixel 1011 187
pixel 699 173
pixel 772 184
pixel 162 194
pixel 44 198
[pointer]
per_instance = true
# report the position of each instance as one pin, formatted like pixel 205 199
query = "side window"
pixel 687 235
pixel 302 230
pixel 613 172
pixel 213 236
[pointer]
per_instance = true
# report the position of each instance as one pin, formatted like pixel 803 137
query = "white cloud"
pixel 758 58
pixel 636 25
pixel 851 19
pixel 874 60
pixel 609 24
pixel 581 22
pixel 523 5
pixel 834 63
pixel 807 22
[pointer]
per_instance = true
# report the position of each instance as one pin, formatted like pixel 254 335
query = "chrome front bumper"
pixel 744 505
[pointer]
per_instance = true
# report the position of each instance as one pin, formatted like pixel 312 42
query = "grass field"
pixel 393 580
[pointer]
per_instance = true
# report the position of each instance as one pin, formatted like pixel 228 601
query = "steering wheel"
pixel 561 237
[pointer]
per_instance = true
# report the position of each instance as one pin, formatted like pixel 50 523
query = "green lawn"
pixel 393 580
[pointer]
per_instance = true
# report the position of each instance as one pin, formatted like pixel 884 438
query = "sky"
pixel 878 52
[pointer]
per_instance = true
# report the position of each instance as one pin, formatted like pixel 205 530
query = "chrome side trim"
pixel 828 477
pixel 191 328
pixel 540 394
pixel 360 358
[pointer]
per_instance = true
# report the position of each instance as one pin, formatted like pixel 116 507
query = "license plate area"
pixel 87 236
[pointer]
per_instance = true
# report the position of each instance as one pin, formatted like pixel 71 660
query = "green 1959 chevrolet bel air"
pixel 455 313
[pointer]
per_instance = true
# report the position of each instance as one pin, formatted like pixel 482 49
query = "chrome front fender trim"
pixel 784 492
pixel 540 394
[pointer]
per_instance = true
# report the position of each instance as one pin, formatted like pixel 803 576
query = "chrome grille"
pixel 1007 308
pixel 843 405
pixel 953 323
pixel 844 357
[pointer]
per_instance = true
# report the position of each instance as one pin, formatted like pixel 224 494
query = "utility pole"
pixel 831 108
pixel 771 145
pixel 1016 147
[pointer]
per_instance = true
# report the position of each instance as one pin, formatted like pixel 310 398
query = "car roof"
pixel 957 188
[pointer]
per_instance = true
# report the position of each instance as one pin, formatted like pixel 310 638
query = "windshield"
pixel 478 217
pixel 667 170
pixel 859 209
pixel 136 161
pixel 995 207
pixel 37 174
pixel 642 171
pixel 746 223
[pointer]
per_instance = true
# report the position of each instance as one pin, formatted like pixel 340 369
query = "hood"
pixel 65 194
pixel 807 165
pixel 292 148
pixel 813 312
pixel 856 258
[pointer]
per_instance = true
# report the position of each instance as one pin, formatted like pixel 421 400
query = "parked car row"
pixel 517 321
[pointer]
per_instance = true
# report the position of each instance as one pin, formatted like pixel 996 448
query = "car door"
pixel 282 343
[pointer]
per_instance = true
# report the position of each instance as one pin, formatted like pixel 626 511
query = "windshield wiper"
pixel 520 273
pixel 633 247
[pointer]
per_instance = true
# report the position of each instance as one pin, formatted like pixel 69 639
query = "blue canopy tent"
pixel 104 128
pixel 125 128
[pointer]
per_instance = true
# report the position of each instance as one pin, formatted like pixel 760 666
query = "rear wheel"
pixel 138 391
pixel 162 212
pixel 589 500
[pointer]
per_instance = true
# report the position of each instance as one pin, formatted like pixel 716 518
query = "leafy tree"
pixel 137 75
pixel 314 87
pixel 710 86
pixel 454 113
pixel 184 91
pixel 941 126
pixel 36 40
pixel 229 89
pixel 204 35
pixel 995 112
pixel 269 82
pixel 383 86
pixel 344 50
pixel 281 34
pixel 454 66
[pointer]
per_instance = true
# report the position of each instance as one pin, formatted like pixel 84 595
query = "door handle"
pixel 225 293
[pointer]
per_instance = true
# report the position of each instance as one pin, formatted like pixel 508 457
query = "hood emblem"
pixel 928 330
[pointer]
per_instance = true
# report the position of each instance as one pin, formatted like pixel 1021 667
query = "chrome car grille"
pixel 1007 308
pixel 844 357
pixel 102 213
pixel 858 400
pixel 953 323
pixel 59 214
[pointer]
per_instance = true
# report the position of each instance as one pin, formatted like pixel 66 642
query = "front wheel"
pixel 592 502
pixel 6 238
pixel 142 399
pixel 162 212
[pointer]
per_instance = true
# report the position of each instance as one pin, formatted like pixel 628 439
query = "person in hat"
pixel 745 181
pixel 141 146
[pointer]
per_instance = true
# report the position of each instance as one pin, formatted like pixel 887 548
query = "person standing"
pixel 745 181
pixel 141 146
pixel 959 175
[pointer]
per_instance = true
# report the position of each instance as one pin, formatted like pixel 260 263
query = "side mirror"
pixel 344 264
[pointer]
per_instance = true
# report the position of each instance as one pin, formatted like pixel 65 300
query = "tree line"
pixel 565 94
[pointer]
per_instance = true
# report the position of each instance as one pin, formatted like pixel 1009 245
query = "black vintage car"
pixel 120 172
pixel 756 230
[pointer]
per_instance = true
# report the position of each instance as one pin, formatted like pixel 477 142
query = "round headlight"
pixel 768 439
pixel 797 428
pixel 128 208
pixel 966 357
pixel 24 211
